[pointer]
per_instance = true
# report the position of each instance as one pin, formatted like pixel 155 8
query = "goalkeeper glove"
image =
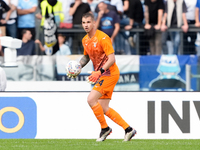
pixel 92 79
pixel 71 76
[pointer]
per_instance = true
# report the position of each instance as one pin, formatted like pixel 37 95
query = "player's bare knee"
pixel 91 101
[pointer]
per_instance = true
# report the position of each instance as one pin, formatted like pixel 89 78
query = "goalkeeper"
pixel 98 47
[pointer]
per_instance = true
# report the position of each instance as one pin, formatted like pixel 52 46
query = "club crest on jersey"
pixel 95 44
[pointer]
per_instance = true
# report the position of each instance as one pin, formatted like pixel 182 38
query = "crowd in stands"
pixel 116 18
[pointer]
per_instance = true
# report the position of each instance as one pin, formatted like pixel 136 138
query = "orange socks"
pixel 111 113
pixel 114 116
pixel 98 111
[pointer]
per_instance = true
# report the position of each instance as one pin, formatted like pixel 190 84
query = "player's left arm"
pixel 96 74
pixel 110 61
pixel 84 60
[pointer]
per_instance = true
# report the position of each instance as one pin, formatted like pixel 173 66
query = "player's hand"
pixel 71 76
pixel 92 79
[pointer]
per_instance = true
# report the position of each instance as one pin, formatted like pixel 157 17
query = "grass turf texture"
pixel 91 144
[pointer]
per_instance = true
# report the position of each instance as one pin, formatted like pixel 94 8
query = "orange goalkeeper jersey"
pixel 98 48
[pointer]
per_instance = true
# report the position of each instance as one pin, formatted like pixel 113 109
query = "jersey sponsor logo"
pixel 17 117
pixel 104 38
pixel 95 44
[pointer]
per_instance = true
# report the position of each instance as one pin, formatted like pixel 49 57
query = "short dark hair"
pixel 88 14
pixel 24 31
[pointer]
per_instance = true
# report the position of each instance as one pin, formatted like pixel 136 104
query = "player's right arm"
pixel 84 60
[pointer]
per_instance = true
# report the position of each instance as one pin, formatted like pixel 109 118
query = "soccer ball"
pixel 73 68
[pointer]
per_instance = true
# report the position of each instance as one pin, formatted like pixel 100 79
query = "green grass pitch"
pixel 91 144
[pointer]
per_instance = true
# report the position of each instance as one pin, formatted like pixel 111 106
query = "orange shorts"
pixel 105 85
